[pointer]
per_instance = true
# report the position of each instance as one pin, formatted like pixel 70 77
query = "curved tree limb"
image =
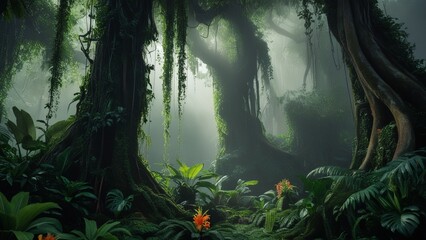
pixel 374 83
pixel 410 88
pixel 270 22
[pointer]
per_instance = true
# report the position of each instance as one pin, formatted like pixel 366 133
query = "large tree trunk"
pixel 393 93
pixel 246 153
pixel 111 109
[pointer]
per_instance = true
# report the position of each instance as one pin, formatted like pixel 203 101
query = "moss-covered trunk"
pixel 104 137
pixel 245 151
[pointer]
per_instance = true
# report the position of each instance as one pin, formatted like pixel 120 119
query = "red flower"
pixel 201 220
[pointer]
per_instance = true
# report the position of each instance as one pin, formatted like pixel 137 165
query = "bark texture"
pixel 104 137
pixel 394 94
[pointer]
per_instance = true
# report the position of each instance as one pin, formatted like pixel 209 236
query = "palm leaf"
pixel 329 171
pixel 361 196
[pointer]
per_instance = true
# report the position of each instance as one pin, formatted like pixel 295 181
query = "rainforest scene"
pixel 212 119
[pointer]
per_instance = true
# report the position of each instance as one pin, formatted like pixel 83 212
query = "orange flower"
pixel 279 188
pixel 48 237
pixel 283 187
pixel 201 220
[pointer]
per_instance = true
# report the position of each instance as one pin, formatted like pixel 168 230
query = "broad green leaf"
pixel 23 235
pixel 206 184
pixel 45 225
pixel 55 131
pixel 91 228
pixel 67 236
pixel 183 168
pixel 194 170
pixel 25 122
pixel 251 183
pixel 405 223
pixel 107 227
pixel 28 213
pixel 4 204
pixel 18 201
pixel 17 133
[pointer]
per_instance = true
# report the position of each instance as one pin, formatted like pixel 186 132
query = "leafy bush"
pixel 189 181
pixel 72 194
pixel 22 220
pixel 108 230
pixel 391 197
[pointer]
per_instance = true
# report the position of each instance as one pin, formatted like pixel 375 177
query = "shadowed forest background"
pixel 291 119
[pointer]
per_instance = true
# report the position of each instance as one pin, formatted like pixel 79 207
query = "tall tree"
pixel 385 72
pixel 246 153
pixel 104 138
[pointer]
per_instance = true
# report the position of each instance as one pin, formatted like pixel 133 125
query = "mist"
pixel 207 119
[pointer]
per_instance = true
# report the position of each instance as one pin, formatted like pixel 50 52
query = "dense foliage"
pixel 83 178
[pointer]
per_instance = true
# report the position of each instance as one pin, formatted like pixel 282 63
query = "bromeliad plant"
pixel 284 188
pixel 198 229
pixel 189 181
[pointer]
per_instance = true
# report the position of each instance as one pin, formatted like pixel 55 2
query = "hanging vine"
pixel 181 22
pixel 174 19
pixel 57 60
pixel 168 46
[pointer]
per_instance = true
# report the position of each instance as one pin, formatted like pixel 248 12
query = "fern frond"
pixel 405 170
pixel 369 193
pixel 330 171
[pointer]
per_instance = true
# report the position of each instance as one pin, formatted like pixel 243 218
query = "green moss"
pixel 386 145
pixel 222 127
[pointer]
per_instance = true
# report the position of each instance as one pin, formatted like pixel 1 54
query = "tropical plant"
pixel 174 229
pixel 24 132
pixel 394 193
pixel 108 230
pixel 78 195
pixel 21 220
pixel 117 203
pixel 239 197
pixel 189 181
